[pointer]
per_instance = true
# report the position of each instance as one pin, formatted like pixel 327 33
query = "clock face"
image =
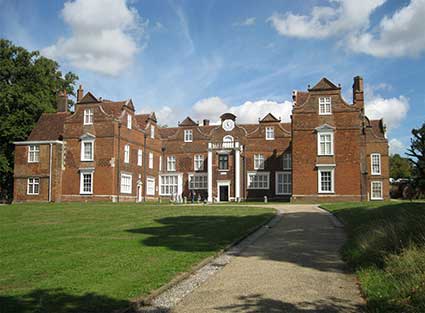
pixel 228 125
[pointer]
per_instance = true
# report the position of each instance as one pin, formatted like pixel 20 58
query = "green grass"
pixel 97 257
pixel 386 247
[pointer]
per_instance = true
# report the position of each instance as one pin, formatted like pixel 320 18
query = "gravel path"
pixel 292 265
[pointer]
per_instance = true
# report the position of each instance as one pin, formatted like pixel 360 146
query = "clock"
pixel 228 125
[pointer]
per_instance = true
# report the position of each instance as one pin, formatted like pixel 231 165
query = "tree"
pixel 29 84
pixel 417 154
pixel 400 167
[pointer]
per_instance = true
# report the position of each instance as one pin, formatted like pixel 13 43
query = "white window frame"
pixel 33 182
pixel 83 154
pixel 33 153
pixel 124 186
pixel 269 133
pixel 201 184
pixel 287 161
pixel 188 135
pixel 319 150
pixel 289 173
pixel 372 197
pixel 160 163
pixel 198 162
pixel 152 131
pixel 372 171
pixel 168 184
pixel 259 161
pixel 127 154
pixel 150 191
pixel 150 160
pixel 129 120
pixel 139 157
pixel 88 117
pixel 249 180
pixel 319 179
pixel 325 106
pixel 82 191
pixel 171 163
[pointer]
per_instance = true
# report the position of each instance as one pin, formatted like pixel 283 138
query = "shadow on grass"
pixel 257 303
pixel 307 239
pixel 58 301
pixel 199 233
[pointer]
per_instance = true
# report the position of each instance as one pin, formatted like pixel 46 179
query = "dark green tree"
pixel 417 154
pixel 29 84
pixel 400 167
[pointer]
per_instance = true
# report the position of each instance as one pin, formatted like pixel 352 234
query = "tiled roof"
pixel 301 97
pixel 49 126
pixel 324 84
pixel 269 118
pixel 113 108
pixel 188 122
pixel 142 120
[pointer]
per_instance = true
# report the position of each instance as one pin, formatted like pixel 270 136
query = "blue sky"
pixel 201 58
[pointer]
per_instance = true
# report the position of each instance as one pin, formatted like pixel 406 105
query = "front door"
pixel 224 193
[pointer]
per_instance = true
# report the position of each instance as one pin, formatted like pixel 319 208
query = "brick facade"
pixel 105 152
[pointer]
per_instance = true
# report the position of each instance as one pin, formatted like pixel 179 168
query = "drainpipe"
pixel 119 161
pixel 50 172
pixel 144 167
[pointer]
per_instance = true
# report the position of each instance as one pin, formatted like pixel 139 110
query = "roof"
pixel 142 119
pixel 269 118
pixel 89 98
pixel 301 97
pixel 324 84
pixel 188 122
pixel 113 107
pixel 49 126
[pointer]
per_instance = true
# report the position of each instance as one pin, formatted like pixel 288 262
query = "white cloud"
pixel 402 34
pixel 250 21
pixel 104 35
pixel 326 21
pixel 396 146
pixel 392 110
pixel 248 112
pixel 398 35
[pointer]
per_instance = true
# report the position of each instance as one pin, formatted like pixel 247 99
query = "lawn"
pixel 386 247
pixel 97 257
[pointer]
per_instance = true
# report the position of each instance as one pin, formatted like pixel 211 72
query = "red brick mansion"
pixel 104 151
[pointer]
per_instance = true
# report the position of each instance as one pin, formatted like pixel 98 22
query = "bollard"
pixel 265 199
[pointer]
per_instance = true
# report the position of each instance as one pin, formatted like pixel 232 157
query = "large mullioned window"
pixel 283 183
pixel 198 181
pixel 168 185
pixel 258 180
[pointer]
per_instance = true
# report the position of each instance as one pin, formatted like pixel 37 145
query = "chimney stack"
pixel 80 93
pixel 206 122
pixel 358 93
pixel 62 102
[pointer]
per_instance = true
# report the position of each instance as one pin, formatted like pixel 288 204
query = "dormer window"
pixel 269 133
pixel 152 131
pixel 128 121
pixel 88 116
pixel 188 135
pixel 325 106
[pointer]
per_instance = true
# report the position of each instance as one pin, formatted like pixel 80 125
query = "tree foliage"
pixel 400 167
pixel 417 154
pixel 29 84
